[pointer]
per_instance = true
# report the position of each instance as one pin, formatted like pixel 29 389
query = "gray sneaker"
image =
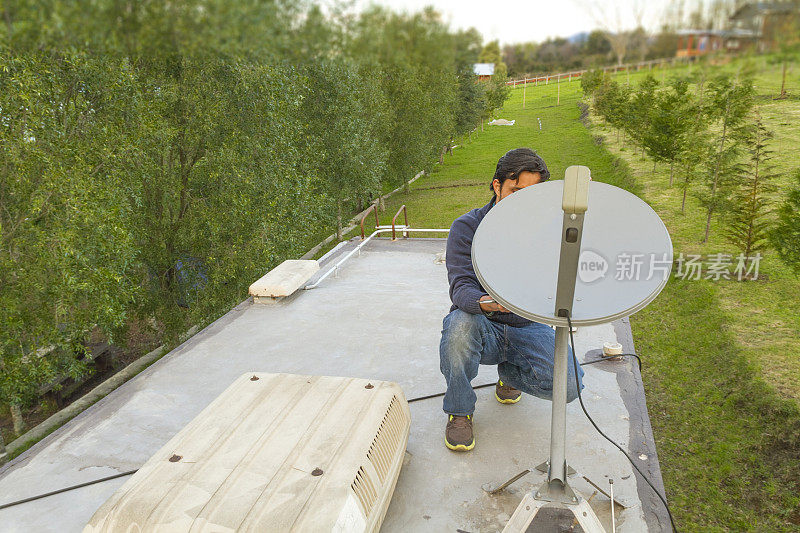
pixel 458 435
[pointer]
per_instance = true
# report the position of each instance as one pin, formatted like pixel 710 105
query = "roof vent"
pixel 385 444
pixel 283 280
pixel 279 453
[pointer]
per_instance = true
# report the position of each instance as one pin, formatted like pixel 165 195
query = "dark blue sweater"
pixel 465 289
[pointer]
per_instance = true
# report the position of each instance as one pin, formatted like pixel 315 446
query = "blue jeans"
pixel 524 358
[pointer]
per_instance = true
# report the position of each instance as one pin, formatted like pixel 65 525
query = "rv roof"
pixel 379 318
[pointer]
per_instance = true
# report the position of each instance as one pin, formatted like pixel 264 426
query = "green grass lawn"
pixel 721 362
pixel 765 315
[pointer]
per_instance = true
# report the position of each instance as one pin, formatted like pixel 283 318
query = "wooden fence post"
pixel 524 89
pixel 558 90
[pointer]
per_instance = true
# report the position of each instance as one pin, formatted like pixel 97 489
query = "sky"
pixel 517 21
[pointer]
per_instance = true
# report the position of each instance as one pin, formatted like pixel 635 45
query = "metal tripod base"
pixel 529 507
pixel 557 492
pixel 545 467
pixel 553 493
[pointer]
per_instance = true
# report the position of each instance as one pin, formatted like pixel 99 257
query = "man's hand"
pixel 488 305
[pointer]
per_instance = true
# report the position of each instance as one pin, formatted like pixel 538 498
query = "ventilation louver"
pixel 274 452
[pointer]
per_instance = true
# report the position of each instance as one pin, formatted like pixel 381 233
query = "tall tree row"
pixel 715 139
pixel 156 157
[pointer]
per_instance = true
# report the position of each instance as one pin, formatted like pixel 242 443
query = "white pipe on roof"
pixel 402 229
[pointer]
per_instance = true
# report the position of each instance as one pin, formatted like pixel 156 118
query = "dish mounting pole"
pixel 556 490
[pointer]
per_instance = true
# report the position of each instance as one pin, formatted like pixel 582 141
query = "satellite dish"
pixel 573 248
pixel 625 254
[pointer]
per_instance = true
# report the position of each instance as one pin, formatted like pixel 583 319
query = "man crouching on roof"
pixel 479 331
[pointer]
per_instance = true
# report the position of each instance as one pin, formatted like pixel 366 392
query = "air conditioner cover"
pixel 274 452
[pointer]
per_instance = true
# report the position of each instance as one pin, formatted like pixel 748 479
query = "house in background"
pixel 767 21
pixel 484 71
pixel 693 43
pixel 754 25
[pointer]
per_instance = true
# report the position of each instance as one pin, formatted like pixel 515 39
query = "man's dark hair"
pixel 516 161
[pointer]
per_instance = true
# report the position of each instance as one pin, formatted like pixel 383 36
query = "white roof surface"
pixel 378 318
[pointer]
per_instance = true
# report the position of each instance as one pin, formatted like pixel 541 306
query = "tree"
pixel 347 156
pixel 66 249
pixel 787 35
pixel 155 157
pixel 126 162
pixel 664 44
pixel 491 54
pixel 468 45
pixel 667 133
pixel 748 219
pixel 785 237
pixel 592 80
pixel 695 154
pixel 596 44
pixel 216 155
pixel 317 38
pixel 135 29
pixel 696 18
pixel 619 42
pixel 697 148
pixel 638 43
pixel 610 23
pixel 472 101
pixel 557 53
pixel 636 112
pixel 521 59
pixel 497 92
pixel 720 11
pixel 729 104
pixel 611 102
pixel 610 18
pixel 417 67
